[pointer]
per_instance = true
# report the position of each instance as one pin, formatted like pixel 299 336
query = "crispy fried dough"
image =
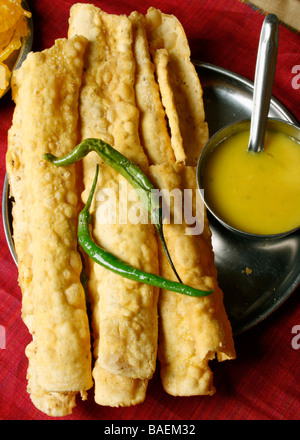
pixel 161 60
pixel 117 390
pixel 153 126
pixel 166 32
pixel 192 330
pixel 124 312
pixel 53 303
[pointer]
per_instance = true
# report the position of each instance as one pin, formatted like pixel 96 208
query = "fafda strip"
pixel 53 298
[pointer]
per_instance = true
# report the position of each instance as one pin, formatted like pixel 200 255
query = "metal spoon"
pixel 263 81
pixel 264 76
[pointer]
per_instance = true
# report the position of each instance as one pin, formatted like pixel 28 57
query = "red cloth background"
pixel 263 383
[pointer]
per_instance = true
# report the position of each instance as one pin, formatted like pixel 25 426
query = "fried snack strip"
pixel 161 61
pixel 46 90
pixel 116 390
pixel 192 330
pixel 148 101
pixel 166 32
pixel 124 311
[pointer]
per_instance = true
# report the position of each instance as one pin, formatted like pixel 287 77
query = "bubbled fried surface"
pixel 192 330
pixel 53 304
pixel 124 311
pixel 164 31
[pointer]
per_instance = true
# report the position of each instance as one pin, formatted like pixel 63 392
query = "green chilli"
pixel 111 262
pixel 132 173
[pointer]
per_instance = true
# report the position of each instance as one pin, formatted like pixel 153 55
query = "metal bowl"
pixel 277 125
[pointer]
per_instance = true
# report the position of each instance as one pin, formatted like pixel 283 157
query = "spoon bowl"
pixel 274 125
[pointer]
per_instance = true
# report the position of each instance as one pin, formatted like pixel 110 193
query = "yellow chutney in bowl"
pixel 255 193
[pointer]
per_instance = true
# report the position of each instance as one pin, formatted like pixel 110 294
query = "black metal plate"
pixel 274 264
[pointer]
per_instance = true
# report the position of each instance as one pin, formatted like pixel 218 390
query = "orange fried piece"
pixel 13 27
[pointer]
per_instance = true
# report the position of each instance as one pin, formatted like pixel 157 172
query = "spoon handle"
pixel 263 81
